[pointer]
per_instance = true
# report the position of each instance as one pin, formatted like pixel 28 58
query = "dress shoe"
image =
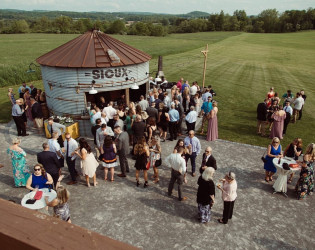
pixel 183 199
pixel 26 135
pixel 121 175
pixel 71 182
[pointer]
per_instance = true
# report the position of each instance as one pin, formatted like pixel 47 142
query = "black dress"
pixel 141 161
pixel 163 122
pixel 205 189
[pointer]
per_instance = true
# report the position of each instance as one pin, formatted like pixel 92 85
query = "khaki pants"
pixel 295 115
pixel 39 122
pixel 204 120
pixel 261 127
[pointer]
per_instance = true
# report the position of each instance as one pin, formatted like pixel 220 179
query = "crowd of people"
pixel 28 107
pixel 119 130
pixel 275 117
pixel 139 129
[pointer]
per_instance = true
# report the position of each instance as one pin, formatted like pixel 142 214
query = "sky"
pixel 252 7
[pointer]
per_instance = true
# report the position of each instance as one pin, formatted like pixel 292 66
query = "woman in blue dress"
pixel 21 171
pixel 273 151
pixel 40 179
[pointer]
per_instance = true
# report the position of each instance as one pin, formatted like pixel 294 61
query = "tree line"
pixel 268 21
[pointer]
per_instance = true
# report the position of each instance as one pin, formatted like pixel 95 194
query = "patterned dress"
pixel 303 185
pixel 21 171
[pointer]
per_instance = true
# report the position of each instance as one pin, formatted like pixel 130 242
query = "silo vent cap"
pixel 113 57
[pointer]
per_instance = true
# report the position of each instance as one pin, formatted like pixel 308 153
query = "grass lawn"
pixel 241 67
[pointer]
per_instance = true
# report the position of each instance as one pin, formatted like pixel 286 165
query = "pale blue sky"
pixel 252 7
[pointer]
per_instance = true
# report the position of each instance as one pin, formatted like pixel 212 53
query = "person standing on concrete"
pixel 174 119
pixel 71 146
pixel 144 104
pixel 192 143
pixel 17 114
pixel 191 119
pixel 37 114
pixel 122 145
pixel 179 107
pixel 178 165
pixel 152 111
pixel 55 148
pixel 208 160
pixel 110 112
pixel 50 162
pixel 228 188
pixel 55 127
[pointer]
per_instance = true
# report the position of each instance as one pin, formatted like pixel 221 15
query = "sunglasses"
pixel 37 169
pixel 207 151
pixel 191 134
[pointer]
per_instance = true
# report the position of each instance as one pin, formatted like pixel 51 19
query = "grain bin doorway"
pixel 134 95
pixel 108 95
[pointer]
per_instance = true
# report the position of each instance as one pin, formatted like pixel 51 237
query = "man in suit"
pixel 94 128
pixel 152 111
pixel 262 118
pixel 50 162
pixel 55 127
pixel 37 114
pixel 208 160
pixel 122 145
pixel 70 146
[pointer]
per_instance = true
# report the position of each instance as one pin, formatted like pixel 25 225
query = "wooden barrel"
pixel 45 111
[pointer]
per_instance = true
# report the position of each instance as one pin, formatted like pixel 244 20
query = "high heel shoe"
pixel 156 180
pixel 145 184
pixel 138 183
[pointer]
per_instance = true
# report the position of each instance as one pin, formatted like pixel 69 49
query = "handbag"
pixel 208 116
pixel 263 158
pixel 148 165
pixel 158 162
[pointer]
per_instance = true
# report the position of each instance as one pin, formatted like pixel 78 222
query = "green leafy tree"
pixel 117 27
pixel 63 24
pixel 20 26
pixel 270 18
pixel 242 18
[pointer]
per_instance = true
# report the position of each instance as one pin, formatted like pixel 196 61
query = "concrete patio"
pixel 149 219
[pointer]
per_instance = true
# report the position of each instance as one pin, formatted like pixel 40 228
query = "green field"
pixel 241 68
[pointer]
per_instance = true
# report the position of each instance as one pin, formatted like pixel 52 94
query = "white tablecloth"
pixel 39 203
pixel 280 184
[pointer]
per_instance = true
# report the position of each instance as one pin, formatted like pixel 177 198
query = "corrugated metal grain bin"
pixel 69 70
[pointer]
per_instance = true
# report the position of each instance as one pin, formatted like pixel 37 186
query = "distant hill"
pixel 23 14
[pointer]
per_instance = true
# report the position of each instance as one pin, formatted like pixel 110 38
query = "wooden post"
pixel 127 96
pixel 205 53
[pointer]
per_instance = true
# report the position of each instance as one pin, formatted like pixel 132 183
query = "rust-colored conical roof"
pixel 93 49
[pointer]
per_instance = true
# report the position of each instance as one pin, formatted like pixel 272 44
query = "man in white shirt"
pixel 298 104
pixel 56 127
pixel 97 115
pixel 70 146
pixel 191 119
pixel 178 165
pixel 110 112
pixel 143 103
pixel 101 133
pixel 206 95
pixel 55 147
pixel 193 90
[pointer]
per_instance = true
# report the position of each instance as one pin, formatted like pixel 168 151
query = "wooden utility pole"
pixel 205 53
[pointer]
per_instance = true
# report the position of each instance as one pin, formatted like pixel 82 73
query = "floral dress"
pixel 21 171
pixel 304 184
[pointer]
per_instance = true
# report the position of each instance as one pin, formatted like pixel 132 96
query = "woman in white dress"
pixel 88 161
